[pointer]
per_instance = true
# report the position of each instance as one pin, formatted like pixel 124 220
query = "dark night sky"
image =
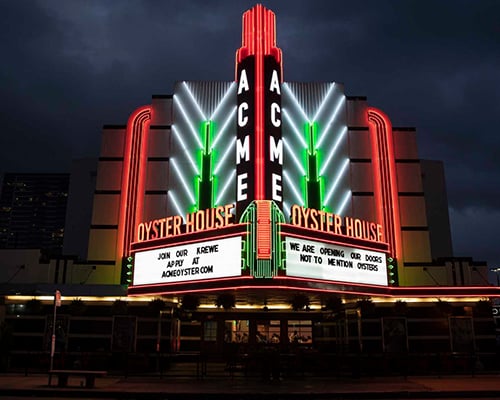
pixel 67 67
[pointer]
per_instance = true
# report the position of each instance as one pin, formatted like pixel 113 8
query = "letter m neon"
pixel 276 150
pixel 243 150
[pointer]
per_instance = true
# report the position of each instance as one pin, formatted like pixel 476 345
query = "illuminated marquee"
pixel 318 260
pixel 189 262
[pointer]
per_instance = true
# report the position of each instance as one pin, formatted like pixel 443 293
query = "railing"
pixel 260 363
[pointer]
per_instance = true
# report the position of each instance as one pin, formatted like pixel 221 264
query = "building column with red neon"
pixel 133 178
pixel 385 179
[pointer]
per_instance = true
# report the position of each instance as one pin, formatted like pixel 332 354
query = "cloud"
pixel 475 233
pixel 70 67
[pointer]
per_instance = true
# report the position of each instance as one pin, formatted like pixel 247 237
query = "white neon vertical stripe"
pixel 225 187
pixel 228 151
pixel 295 101
pixel 344 203
pixel 186 153
pixel 292 155
pixel 323 102
pixel 188 120
pixel 224 126
pixel 294 129
pixel 184 184
pixel 224 98
pixel 334 115
pixel 291 185
pixel 176 205
pixel 333 150
pixel 336 181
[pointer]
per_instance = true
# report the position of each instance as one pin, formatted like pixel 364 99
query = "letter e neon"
pixel 241 187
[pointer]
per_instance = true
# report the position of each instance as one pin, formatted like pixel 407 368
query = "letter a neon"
pixel 243 83
pixel 275 83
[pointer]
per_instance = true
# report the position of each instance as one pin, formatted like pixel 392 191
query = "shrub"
pixel 226 301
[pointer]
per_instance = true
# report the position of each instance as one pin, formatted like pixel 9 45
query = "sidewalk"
pixel 473 387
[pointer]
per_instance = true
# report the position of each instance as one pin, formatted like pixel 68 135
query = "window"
pixel 210 331
pixel 300 331
pixel 236 331
pixel 268 331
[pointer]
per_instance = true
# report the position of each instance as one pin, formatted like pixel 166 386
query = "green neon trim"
pixel 204 188
pixel 263 268
pixel 127 270
pixel 314 188
pixel 392 271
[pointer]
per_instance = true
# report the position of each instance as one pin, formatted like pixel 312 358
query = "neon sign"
pixel 189 262
pixel 198 221
pixel 317 260
pixel 259 145
pixel 318 220
pixel 284 137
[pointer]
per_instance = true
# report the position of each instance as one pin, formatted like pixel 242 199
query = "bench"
pixel 64 374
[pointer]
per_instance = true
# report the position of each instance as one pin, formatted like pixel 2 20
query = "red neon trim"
pixel 192 237
pixel 264 245
pixel 250 36
pixel 385 185
pixel 231 278
pixel 133 168
pixel 390 291
pixel 327 281
pixel 186 241
pixel 261 287
pixel 333 241
pixel 330 237
pixel 141 174
pixel 377 182
pixel 281 278
pixel 445 288
pixel 260 164
pixel 276 287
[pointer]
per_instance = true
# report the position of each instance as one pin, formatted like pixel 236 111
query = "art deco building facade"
pixel 263 211
pixel 339 155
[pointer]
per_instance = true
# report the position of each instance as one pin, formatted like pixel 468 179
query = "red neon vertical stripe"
pixel 141 173
pixel 377 183
pixel 132 178
pixel 386 186
pixel 260 163
pixel 263 230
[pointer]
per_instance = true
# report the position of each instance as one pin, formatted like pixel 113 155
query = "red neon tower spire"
pixel 259 36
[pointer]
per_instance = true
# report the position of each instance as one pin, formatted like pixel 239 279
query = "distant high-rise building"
pixel 33 211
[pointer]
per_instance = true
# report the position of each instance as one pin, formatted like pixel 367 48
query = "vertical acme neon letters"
pixel 275 144
pixel 259 145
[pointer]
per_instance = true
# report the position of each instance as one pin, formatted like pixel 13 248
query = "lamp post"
pixel 57 303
